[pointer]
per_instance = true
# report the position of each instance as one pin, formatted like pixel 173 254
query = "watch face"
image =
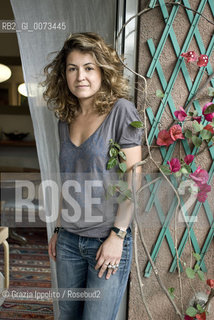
pixel 122 234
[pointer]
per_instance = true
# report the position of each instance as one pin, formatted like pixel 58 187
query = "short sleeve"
pixel 126 135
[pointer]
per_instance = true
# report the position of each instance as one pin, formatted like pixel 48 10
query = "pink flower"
pixel 202 60
pixel 210 283
pixel 176 132
pixel 200 176
pixel 198 118
pixel 180 115
pixel 204 187
pixel 164 138
pixel 189 159
pixel 174 164
pixel 209 127
pixel 202 196
pixel 190 56
pixel 208 116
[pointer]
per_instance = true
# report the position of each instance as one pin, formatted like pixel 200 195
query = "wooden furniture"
pixel 17 143
pixel 3 241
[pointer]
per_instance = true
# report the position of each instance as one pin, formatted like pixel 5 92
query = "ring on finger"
pixel 113 266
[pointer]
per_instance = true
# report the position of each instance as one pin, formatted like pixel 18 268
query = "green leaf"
pixel 201 275
pixel 197 126
pixel 137 124
pixel 122 166
pixel 111 190
pixel 122 155
pixel 121 198
pixel 128 194
pixel 190 273
pixel 113 152
pixel 187 168
pixel 205 134
pixel 200 309
pixel 159 94
pixel 190 113
pixel 122 185
pixel 188 134
pixel 197 256
pixel 111 163
pixel 210 109
pixel 116 145
pixel 165 169
pixel 191 312
pixel 171 292
pixel 196 141
pixel 212 139
pixel 211 92
pixel 177 174
pixel 197 267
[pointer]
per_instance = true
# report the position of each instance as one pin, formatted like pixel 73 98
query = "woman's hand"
pixel 109 252
pixel 52 246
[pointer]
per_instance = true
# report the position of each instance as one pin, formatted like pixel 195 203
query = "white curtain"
pixel 35 45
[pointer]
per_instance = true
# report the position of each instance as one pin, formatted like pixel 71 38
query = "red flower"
pixel 198 118
pixel 186 317
pixel 200 176
pixel 209 127
pixel 190 56
pixel 202 60
pixel 174 164
pixel 189 159
pixel 164 138
pixel 201 316
pixel 210 283
pixel 180 115
pixel 176 132
pixel 208 116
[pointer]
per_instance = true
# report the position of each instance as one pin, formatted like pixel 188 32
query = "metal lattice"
pixel 154 120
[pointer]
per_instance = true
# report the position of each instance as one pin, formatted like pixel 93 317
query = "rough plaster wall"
pixel 151 26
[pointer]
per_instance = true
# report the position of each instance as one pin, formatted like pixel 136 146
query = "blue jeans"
pixel 75 269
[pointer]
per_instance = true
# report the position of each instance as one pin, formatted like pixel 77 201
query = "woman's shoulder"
pixel 124 107
pixel 123 103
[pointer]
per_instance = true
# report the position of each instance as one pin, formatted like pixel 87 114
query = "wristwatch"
pixel 121 233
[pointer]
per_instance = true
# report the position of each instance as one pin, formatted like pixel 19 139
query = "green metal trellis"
pixel 155 120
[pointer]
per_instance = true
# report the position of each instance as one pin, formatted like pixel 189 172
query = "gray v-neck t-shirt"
pixel 86 209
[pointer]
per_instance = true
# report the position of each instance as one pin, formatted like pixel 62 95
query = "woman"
pixel 92 243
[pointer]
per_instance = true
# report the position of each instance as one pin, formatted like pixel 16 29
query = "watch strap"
pixel 121 233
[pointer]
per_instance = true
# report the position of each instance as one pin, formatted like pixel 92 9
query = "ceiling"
pixel 9 44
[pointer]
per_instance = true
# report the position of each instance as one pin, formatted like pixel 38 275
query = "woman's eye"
pixel 71 69
pixel 89 68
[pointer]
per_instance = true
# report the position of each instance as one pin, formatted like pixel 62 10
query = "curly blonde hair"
pixel 114 85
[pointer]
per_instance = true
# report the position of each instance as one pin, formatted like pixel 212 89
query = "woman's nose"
pixel 80 75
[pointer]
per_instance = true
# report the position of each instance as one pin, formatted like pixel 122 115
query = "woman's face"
pixel 83 75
